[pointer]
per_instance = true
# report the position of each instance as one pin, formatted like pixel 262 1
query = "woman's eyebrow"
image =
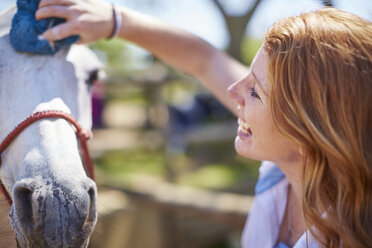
pixel 259 83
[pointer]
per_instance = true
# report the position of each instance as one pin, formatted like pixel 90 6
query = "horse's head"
pixel 54 202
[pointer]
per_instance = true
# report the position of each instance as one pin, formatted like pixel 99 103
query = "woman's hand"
pixel 90 19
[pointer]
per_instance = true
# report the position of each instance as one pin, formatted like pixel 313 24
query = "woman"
pixel 305 105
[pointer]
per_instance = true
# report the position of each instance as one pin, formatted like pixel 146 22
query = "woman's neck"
pixel 293 170
pixel 292 226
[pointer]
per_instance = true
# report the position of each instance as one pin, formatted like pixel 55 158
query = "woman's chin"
pixel 243 148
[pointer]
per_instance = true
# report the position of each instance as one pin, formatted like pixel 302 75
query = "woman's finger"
pixel 60 32
pixel 53 11
pixel 90 19
pixel 44 3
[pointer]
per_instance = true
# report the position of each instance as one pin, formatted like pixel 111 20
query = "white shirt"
pixel 263 223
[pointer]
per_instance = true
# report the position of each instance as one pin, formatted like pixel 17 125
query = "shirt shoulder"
pixel 270 175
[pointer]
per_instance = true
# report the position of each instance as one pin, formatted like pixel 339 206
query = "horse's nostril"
pixel 92 214
pixel 92 193
pixel 22 197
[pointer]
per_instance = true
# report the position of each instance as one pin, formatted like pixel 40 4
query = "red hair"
pixel 320 67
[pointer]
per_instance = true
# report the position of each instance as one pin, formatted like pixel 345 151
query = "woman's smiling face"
pixel 257 137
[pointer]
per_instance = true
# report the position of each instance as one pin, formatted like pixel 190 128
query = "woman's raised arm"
pixel 94 20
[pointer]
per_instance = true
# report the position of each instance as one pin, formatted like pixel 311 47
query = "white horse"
pixel 53 200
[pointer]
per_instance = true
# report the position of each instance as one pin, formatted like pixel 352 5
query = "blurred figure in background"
pixel 305 105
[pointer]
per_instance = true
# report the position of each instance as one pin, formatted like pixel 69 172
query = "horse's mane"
pixel 6 17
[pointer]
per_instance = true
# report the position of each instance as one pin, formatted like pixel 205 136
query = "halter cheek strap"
pixel 82 134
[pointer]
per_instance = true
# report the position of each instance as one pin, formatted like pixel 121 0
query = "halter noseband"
pixel 80 132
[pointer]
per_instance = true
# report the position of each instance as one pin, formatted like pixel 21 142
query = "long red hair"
pixel 320 67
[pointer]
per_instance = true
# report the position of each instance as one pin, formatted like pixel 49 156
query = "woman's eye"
pixel 253 93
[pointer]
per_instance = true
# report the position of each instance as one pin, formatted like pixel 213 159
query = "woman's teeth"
pixel 244 127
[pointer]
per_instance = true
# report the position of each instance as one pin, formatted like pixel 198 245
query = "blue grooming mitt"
pixel 26 30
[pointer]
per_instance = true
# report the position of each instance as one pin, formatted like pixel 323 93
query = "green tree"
pixel 236 25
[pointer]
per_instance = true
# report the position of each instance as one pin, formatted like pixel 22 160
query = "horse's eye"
pixel 93 77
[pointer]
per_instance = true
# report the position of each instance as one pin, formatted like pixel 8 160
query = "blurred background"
pixel 167 172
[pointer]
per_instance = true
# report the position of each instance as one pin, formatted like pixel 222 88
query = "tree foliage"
pixel 236 25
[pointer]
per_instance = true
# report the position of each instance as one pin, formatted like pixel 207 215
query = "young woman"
pixel 305 105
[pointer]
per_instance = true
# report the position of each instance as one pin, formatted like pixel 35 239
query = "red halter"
pixel 80 132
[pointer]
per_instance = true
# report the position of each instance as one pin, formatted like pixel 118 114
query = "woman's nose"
pixel 235 92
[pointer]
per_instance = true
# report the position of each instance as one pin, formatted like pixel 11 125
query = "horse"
pixel 53 201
